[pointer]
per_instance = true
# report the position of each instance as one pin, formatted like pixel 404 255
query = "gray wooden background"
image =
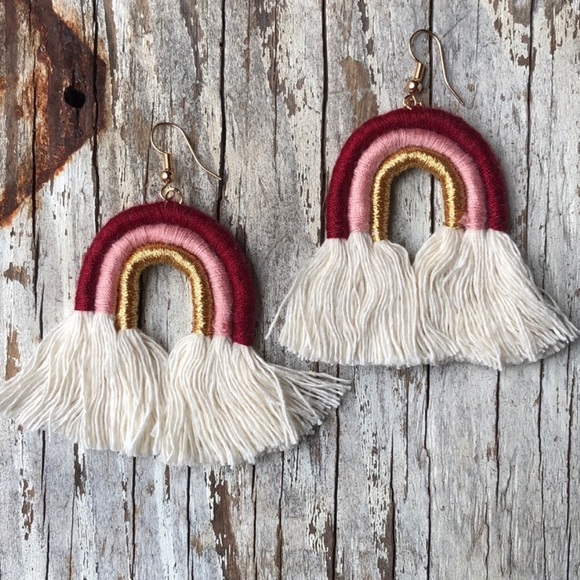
pixel 450 472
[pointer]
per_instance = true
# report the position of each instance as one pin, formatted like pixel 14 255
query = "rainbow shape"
pixel 468 295
pixel 211 251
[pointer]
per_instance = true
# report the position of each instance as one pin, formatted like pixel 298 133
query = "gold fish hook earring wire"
pixel 170 191
pixel 415 84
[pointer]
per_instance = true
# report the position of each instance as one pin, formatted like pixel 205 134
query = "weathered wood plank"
pixel 290 226
pixel 465 426
pixel 177 54
pixel 554 207
pixel 28 300
pixel 22 475
pixel 382 496
pixel 268 200
pixel 91 489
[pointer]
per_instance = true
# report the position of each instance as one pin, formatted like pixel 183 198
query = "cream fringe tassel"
pixel 219 403
pixel 91 384
pixel 225 404
pixel 356 302
pixel 486 301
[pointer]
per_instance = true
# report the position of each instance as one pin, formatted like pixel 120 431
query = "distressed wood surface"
pixel 449 472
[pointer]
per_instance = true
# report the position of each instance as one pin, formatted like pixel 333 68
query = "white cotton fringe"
pixel 97 387
pixel 211 401
pixel 437 269
pixel 486 301
pixel 224 404
pixel 356 302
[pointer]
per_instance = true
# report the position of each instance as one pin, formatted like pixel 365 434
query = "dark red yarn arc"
pixel 435 120
pixel 167 212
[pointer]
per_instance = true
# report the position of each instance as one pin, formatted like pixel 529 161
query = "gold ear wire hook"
pixel 169 191
pixel 414 85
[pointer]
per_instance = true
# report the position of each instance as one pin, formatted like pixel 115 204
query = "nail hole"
pixel 74 97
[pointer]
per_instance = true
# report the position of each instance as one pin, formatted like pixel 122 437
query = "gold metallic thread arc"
pixel 439 166
pixel 153 255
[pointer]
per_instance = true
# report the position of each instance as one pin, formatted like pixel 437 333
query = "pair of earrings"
pixel 100 381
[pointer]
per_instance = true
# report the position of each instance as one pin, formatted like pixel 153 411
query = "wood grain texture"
pixel 444 472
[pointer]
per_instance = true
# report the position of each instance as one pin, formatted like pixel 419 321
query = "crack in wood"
pixel 80 472
pixel 571 417
pixel 387 565
pixel 226 547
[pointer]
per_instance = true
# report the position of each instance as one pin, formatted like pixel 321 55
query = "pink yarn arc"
pixel 119 252
pixel 359 207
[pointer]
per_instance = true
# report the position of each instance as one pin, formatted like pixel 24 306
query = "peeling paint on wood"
pixel 12 353
pixel 17 274
pixel 359 84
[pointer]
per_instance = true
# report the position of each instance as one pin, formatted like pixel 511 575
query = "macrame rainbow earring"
pixel 469 296
pixel 101 382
